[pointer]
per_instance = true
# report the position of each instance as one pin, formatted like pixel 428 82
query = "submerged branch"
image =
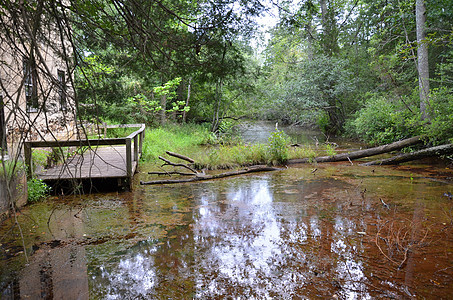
pixel 202 177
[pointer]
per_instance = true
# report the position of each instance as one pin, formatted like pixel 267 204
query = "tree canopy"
pixel 327 62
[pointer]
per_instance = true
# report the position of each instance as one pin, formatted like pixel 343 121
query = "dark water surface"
pixel 343 231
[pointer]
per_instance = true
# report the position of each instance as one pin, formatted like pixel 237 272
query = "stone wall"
pixel 18 188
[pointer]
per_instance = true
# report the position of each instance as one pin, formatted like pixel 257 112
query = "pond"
pixel 307 232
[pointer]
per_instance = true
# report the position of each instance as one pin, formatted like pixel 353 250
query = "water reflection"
pixel 238 235
pixel 134 276
pixel 286 235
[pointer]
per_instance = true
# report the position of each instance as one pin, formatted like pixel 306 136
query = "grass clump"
pixel 230 156
pixel 184 139
pixel 197 142
pixel 302 152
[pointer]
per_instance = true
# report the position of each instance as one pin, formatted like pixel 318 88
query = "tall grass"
pixel 184 139
pixel 197 142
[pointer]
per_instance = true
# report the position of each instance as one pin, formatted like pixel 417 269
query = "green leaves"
pixel 168 89
pixel 278 146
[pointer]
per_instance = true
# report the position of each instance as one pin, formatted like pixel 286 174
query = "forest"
pixel 379 71
pixel 286 216
pixel 374 71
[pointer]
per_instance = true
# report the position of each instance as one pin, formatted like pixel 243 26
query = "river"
pixel 341 232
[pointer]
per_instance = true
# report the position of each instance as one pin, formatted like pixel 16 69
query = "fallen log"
pixel 171 173
pixel 428 152
pixel 180 156
pixel 360 153
pixel 202 177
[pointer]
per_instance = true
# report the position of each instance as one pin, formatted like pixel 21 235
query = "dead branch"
pixel 361 153
pixel 171 173
pixel 177 155
pixel 202 177
pixel 429 152
pixel 169 163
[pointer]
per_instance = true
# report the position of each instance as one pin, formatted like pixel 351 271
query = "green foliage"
pixel 278 146
pixel 37 190
pixel 323 121
pixel 302 152
pixel 168 89
pixel 40 158
pixel 93 71
pixel 226 133
pixel 230 156
pixel 183 139
pixel 302 90
pixel 330 150
pixel 10 168
pixel 439 129
pixel 383 120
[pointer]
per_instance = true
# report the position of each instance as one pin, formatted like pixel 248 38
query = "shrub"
pixel 37 190
pixel 439 129
pixel 383 120
pixel 278 146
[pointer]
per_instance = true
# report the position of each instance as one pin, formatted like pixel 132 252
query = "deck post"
pixel 136 148
pixel 28 161
pixel 142 136
pixel 128 158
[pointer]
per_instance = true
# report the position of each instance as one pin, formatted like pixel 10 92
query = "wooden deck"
pixel 107 158
pixel 99 162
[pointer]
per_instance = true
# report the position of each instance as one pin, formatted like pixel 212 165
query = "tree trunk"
pixel 429 152
pixel 422 56
pixel 361 153
pixel 215 118
pixel 184 113
pixel 163 104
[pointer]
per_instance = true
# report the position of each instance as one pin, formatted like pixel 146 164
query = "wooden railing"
pixel 131 156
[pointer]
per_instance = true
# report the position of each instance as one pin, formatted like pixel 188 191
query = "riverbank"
pixel 235 148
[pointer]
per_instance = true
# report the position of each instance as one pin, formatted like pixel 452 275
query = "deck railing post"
pixel 142 136
pixel 136 148
pixel 128 158
pixel 28 161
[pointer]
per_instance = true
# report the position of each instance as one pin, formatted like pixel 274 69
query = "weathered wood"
pixel 180 156
pixel 28 161
pixel 361 153
pixel 77 143
pixel 125 126
pixel 142 136
pixel 428 152
pixel 172 173
pixel 136 148
pixel 201 177
pixel 169 163
pixel 128 158
pixel 116 161
pixel 102 162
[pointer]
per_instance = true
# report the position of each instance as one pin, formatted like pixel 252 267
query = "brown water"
pixel 290 234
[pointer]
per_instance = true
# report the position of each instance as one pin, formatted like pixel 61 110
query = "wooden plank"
pixel 97 161
pixel 102 162
pixel 76 143
pixel 125 125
